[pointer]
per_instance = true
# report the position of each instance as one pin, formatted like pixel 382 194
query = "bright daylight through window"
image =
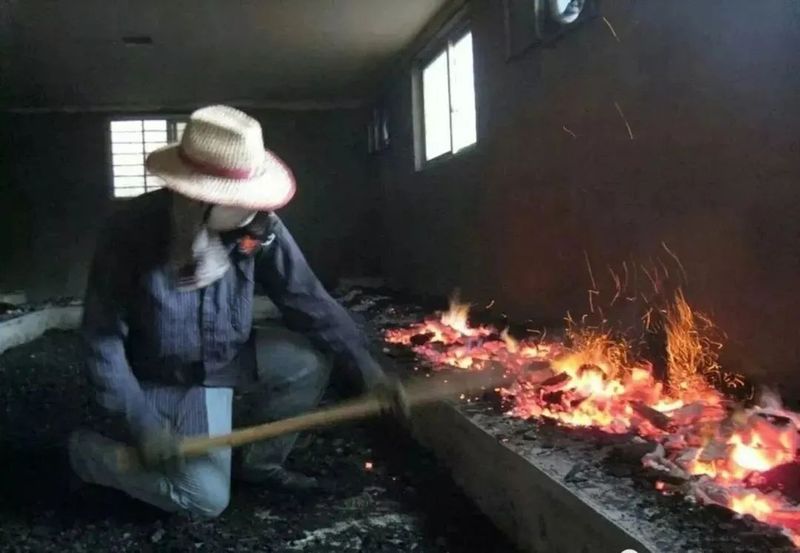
pixel 131 140
pixel 448 91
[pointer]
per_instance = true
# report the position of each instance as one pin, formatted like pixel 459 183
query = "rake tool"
pixel 418 392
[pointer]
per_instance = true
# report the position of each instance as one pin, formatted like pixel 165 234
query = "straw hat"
pixel 221 160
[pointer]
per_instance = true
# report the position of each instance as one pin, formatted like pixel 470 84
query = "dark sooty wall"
pixel 712 95
pixel 55 193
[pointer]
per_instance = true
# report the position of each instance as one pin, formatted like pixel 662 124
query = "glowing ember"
pixel 368 465
pixel 594 379
pixel 758 505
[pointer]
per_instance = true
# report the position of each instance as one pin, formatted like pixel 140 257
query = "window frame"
pixel 456 29
pixel 172 120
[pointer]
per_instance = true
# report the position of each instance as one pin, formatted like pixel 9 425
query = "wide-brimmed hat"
pixel 221 160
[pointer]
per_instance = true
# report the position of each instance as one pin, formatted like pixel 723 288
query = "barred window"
pixel 130 142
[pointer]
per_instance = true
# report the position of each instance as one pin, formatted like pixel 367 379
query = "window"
pixel 131 140
pixel 448 99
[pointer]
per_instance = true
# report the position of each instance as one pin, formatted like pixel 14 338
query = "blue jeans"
pixel 292 376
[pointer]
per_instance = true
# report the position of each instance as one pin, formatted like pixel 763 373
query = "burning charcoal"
pixel 693 412
pixel 776 418
pixel 575 402
pixel 715 450
pixel 631 452
pixel 658 461
pixel 687 457
pixel 553 397
pixel 420 339
pixel 786 517
pixel 557 382
pixel 675 481
pixel 785 478
pixel 779 416
pixel 537 372
pixel 707 492
pixel 675 442
pixel 439 347
pixel 539 368
pixel 588 369
pixel 656 418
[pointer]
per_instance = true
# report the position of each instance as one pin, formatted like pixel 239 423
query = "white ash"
pixel 360 526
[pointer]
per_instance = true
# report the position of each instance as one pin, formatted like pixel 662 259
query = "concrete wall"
pixel 55 193
pixel 711 92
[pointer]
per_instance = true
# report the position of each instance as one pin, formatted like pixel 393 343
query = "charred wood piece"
pixel 421 339
pixel 654 417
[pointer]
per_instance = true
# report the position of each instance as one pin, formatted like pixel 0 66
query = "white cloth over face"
pixel 198 257
pixel 223 218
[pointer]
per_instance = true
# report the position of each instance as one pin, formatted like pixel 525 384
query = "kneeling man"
pixel 168 320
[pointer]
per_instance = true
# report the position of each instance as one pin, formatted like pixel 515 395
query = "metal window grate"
pixel 130 142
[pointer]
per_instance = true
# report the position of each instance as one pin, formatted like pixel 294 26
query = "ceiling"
pixel 71 54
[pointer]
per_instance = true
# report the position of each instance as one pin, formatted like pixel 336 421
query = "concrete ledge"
pixel 27 327
pixel 530 506
pixel 13 298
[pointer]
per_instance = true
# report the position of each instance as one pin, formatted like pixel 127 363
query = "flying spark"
pixel 624 120
pixel 611 28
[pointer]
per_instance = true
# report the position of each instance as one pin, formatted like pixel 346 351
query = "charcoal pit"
pixel 555 489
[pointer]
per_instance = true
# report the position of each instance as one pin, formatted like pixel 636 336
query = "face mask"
pixel 197 255
pixel 223 218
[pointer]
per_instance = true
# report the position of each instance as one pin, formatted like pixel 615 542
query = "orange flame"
pixel 598 382
pixel 755 504
pixel 456 317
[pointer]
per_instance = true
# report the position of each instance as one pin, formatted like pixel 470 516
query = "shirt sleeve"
pixel 307 307
pixel 104 331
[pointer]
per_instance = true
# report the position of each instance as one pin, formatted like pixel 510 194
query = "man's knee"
pixel 313 365
pixel 288 358
pixel 206 498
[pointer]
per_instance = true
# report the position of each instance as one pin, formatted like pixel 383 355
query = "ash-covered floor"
pixel 405 503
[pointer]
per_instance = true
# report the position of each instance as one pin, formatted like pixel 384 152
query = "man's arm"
pixel 104 331
pixel 287 278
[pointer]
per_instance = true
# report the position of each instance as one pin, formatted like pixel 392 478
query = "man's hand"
pixel 392 397
pixel 159 449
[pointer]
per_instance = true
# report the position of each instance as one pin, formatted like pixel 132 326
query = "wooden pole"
pixel 418 391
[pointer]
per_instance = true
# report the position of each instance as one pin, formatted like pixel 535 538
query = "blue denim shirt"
pixel 139 328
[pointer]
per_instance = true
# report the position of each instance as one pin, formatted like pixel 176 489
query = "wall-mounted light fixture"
pixel 554 18
pixel 533 22
pixel 566 11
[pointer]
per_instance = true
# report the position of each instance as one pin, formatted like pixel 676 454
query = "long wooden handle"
pixel 418 392
pixel 360 408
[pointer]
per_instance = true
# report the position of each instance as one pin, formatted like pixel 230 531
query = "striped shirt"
pixel 139 329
